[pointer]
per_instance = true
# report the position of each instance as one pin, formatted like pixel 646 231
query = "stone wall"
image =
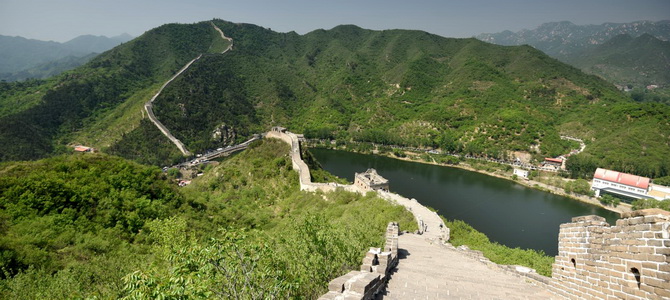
pixel 423 216
pixel 376 267
pixel 629 260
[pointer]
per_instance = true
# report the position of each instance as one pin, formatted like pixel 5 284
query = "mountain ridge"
pixel 388 87
pixel 20 56
pixel 561 39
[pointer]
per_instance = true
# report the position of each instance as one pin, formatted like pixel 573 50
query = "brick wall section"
pixel 630 260
pixel 377 265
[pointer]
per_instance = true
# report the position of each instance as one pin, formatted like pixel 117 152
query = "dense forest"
pixel 389 87
pixel 93 225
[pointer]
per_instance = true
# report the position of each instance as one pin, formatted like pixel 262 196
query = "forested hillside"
pixel 92 225
pixel 107 87
pixel 391 87
pixel 625 55
pixel 631 55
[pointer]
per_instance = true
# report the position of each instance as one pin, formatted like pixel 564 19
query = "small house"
pixel 521 173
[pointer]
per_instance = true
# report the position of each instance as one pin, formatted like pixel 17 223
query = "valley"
pixel 113 224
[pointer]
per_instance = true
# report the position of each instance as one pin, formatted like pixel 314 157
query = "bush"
pixel 579 186
pixel 464 234
pixel 607 199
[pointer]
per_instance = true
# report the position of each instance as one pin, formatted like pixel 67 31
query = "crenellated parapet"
pixel 630 260
pixel 376 268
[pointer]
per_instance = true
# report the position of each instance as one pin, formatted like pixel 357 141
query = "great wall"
pixel 148 106
pixel 630 260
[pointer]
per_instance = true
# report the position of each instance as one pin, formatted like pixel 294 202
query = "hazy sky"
pixel 61 20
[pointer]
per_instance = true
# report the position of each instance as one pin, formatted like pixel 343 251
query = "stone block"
pixel 665 293
pixel 663 251
pixel 649 265
pixel 655 243
pixel 656 258
pixel 330 296
pixel 645 212
pixel 337 284
pixel 365 283
pixel 588 218
pixel 663 276
pixel 655 219
pixel 655 282
pixel 640 228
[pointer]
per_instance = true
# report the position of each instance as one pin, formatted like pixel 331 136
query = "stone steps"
pixel 431 271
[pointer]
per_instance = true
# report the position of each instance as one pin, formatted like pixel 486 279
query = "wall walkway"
pixel 149 105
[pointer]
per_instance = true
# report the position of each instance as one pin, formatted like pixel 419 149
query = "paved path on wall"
pixel 430 223
pixel 149 105
pixel 428 270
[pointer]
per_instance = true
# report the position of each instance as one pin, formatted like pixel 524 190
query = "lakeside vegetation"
pixel 93 225
pixel 464 234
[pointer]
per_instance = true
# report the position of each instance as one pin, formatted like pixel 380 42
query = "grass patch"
pixel 464 234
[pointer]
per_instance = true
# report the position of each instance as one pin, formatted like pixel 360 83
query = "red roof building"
pixel 553 160
pixel 622 178
pixel 83 149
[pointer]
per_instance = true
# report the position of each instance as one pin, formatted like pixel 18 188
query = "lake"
pixel 507 212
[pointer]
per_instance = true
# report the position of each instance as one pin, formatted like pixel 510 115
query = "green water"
pixel 507 212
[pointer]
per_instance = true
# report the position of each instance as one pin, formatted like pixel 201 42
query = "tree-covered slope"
pixel 113 84
pixel 391 87
pixel 624 60
pixel 97 226
pixel 406 87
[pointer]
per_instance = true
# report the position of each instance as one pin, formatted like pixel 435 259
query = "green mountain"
pixel 563 40
pixel 49 69
pixel 390 87
pixel 624 60
pixel 630 55
pixel 98 226
pixel 22 58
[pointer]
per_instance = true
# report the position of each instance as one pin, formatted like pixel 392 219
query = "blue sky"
pixel 61 20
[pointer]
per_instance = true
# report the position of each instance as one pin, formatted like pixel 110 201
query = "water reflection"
pixel 507 212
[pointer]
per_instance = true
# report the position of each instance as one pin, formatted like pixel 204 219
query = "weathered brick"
pixel 649 265
pixel 655 282
pixel 649 235
pixel 662 292
pixel 656 258
pixel 663 250
pixel 663 276
pixel 655 243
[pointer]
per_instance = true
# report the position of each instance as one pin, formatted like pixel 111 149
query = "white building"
pixel 620 183
pixel 521 173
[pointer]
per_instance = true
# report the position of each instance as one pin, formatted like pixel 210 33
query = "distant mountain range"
pixel 634 54
pixel 625 60
pixel 22 58
pixel 563 39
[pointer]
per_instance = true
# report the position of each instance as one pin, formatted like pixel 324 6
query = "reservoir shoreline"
pixel 536 185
